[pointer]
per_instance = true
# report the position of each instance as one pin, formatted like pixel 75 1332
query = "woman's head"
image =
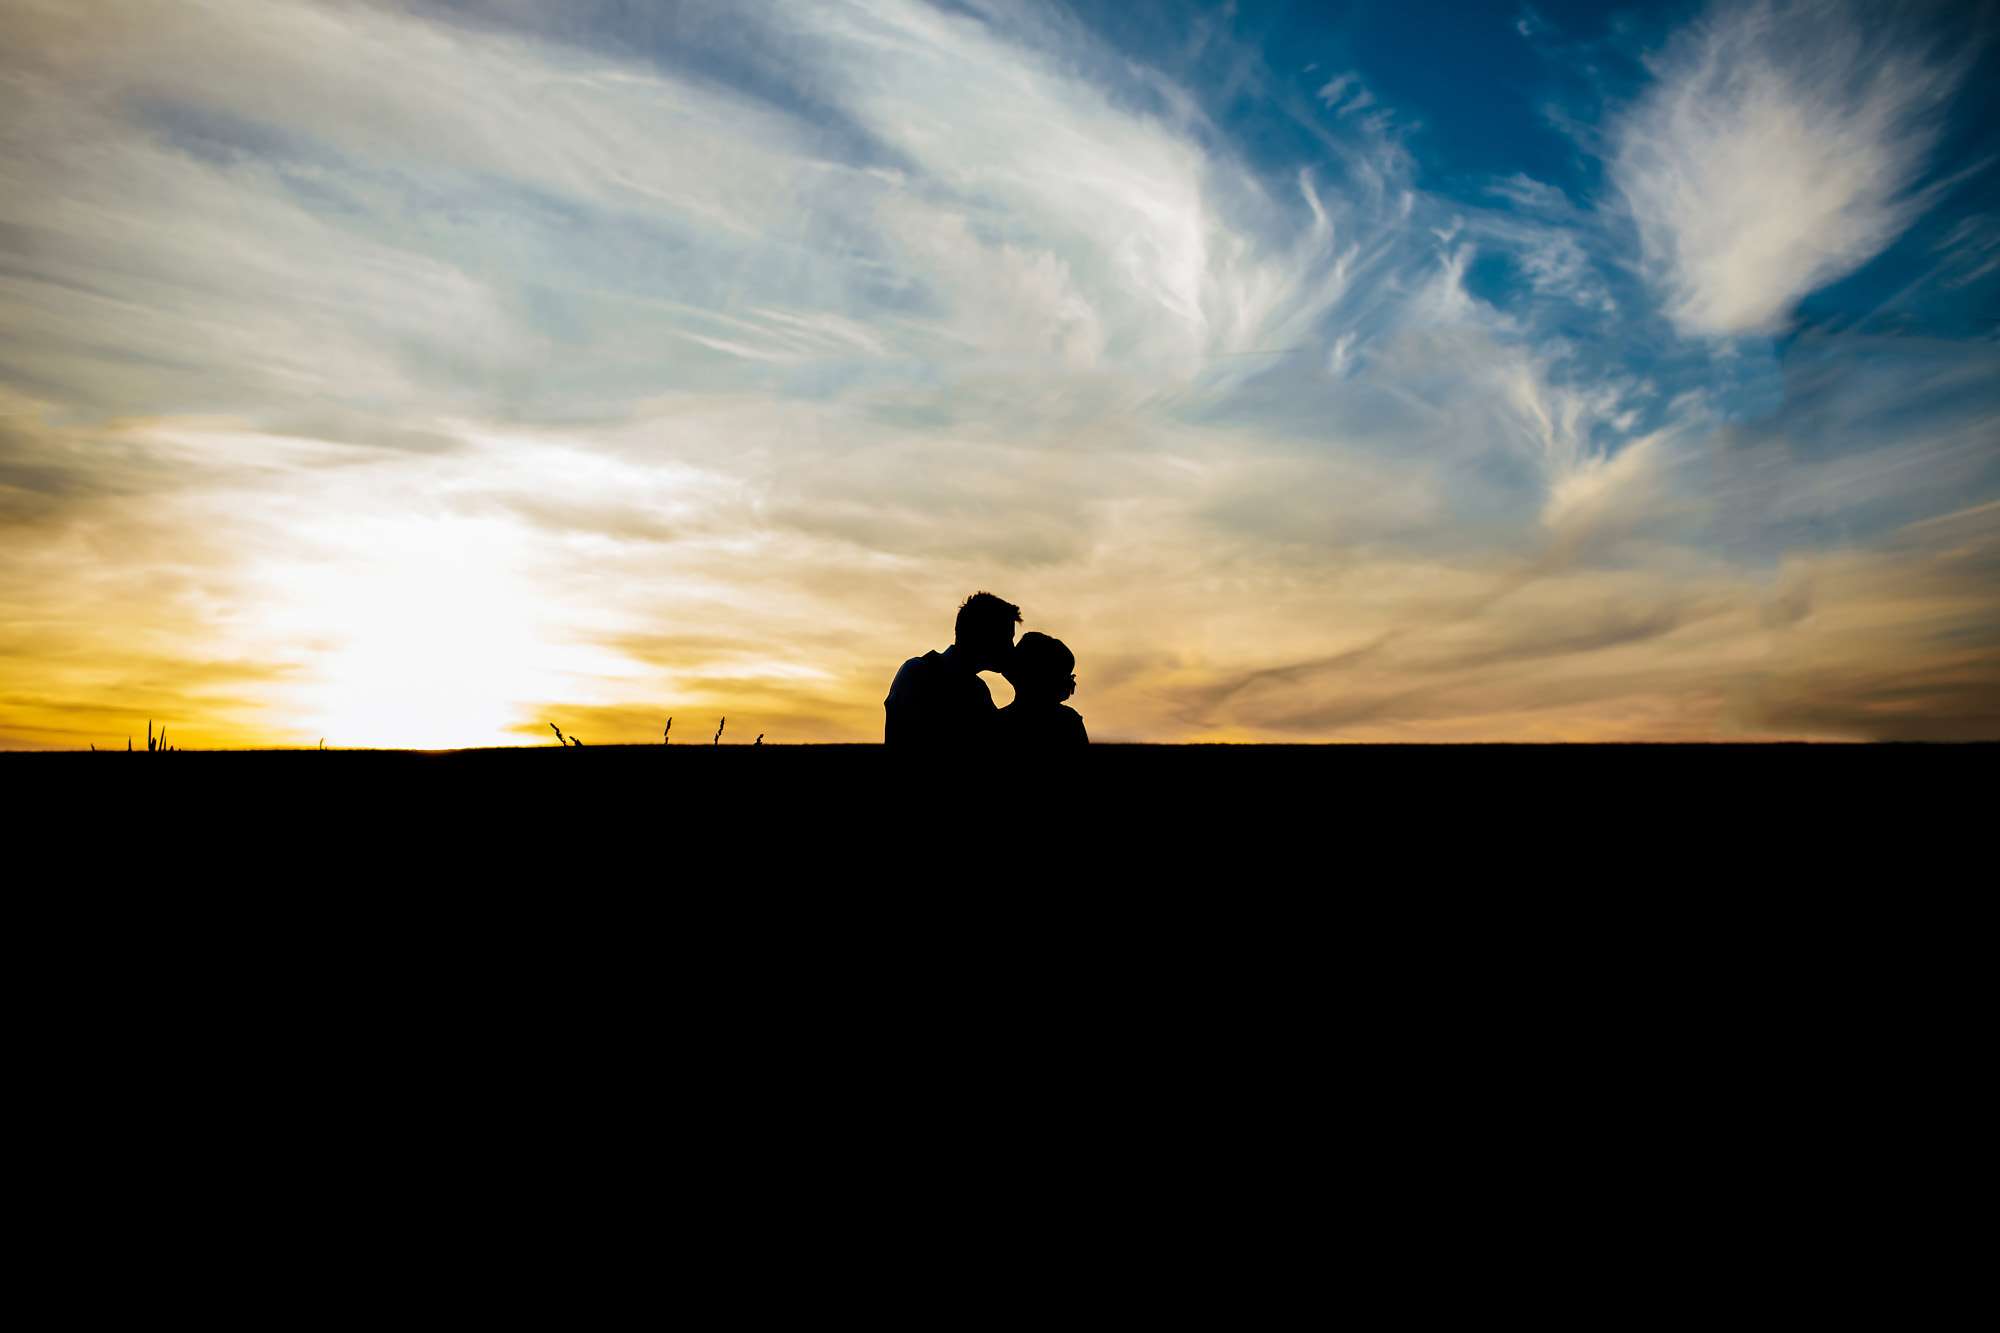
pixel 1041 668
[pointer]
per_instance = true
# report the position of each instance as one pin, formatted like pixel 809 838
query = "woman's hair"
pixel 1038 657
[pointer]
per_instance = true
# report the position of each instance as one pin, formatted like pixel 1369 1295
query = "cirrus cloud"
pixel 1778 150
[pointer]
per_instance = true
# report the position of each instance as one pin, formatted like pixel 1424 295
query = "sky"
pixel 419 374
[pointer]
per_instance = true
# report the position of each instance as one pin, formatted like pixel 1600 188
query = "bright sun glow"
pixel 427 635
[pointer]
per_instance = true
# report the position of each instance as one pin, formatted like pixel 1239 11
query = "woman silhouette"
pixel 1041 672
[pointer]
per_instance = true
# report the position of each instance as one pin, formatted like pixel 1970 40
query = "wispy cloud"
pixel 1346 95
pixel 1972 250
pixel 1779 149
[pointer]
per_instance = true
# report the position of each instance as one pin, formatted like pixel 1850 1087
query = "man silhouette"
pixel 938 700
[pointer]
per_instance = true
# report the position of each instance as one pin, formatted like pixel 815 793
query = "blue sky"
pixel 416 373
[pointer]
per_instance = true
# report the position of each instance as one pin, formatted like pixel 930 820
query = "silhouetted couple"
pixel 939 701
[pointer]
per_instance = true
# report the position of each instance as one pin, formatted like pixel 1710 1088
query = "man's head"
pixel 985 631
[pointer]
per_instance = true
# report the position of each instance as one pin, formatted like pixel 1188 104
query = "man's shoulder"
pixel 913 673
pixel 918 666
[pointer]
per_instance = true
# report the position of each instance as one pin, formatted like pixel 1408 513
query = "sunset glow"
pixel 421 374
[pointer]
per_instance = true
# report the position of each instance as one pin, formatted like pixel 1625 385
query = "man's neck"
pixel 958 661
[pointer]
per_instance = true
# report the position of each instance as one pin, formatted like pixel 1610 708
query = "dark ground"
pixel 1496 814
pixel 1485 979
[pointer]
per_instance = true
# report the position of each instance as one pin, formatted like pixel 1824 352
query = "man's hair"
pixel 986 616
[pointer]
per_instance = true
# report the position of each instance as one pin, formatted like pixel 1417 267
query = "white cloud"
pixel 1530 195
pixel 1775 153
pixel 1345 95
pixel 1341 355
pixel 1555 265
pixel 1334 90
pixel 1972 249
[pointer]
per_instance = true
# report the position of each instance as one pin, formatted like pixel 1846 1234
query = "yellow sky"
pixel 281 591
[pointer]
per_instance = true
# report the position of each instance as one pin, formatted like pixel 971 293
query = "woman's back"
pixel 1035 725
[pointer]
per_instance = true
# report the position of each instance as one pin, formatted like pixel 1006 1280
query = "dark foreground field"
pixel 1270 813
pixel 1458 941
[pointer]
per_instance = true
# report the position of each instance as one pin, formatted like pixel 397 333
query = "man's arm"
pixel 897 728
